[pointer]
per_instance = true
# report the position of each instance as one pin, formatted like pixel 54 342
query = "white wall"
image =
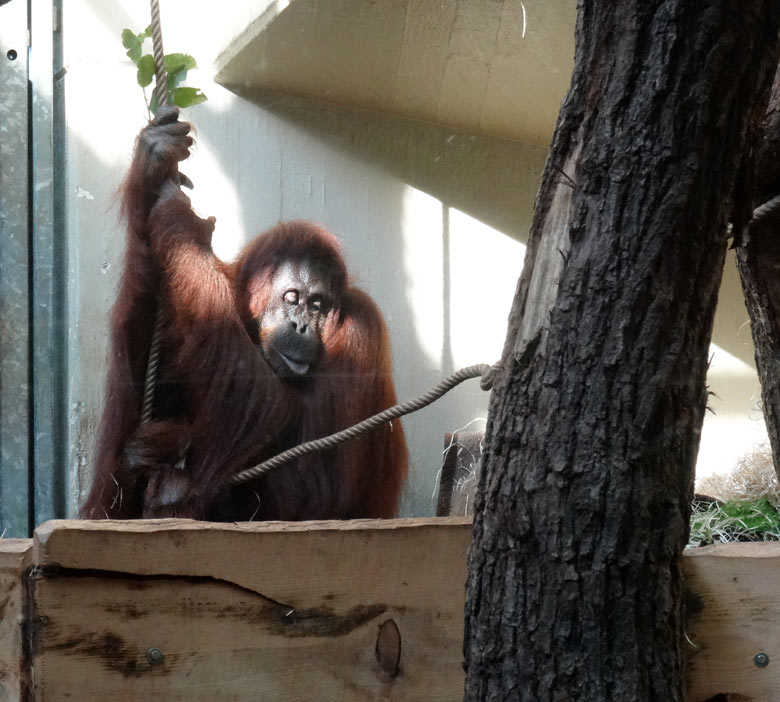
pixel 431 220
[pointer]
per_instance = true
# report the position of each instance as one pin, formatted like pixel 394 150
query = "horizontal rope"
pixel 486 372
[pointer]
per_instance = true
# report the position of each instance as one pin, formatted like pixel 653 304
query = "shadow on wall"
pixel 484 176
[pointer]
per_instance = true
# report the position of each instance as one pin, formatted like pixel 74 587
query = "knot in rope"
pixel 489 377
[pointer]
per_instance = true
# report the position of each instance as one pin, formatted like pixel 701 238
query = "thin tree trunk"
pixel 758 262
pixel 575 588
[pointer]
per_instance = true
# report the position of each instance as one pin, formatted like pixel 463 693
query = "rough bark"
pixel 758 262
pixel 575 587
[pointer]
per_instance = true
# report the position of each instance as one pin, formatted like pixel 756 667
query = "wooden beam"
pixel 359 610
pixel 14 560
pixel 733 610
pixel 179 610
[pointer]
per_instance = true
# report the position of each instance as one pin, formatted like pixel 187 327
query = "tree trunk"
pixel 575 587
pixel 758 262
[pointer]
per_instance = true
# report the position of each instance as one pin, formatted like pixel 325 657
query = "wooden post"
pixel 14 561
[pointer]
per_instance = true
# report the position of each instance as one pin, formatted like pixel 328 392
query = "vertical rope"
pixel 152 365
pixel 161 90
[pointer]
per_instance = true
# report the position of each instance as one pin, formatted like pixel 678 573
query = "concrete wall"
pixel 432 221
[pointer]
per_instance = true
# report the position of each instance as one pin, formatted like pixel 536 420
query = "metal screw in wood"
pixel 154 656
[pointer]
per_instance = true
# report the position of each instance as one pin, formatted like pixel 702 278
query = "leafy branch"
pixel 176 69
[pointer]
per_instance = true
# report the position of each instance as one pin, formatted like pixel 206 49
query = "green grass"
pixel 724 522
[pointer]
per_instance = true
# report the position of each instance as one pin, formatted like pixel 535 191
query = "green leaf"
pixel 187 97
pixel 174 63
pixel 145 70
pixel 135 54
pixel 174 80
pixel 129 39
pixel 133 45
pixel 176 67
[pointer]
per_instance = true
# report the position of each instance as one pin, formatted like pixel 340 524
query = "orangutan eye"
pixel 320 303
pixel 291 297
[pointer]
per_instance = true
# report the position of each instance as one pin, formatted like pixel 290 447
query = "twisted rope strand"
pixel 161 90
pixel 152 366
pixel 160 86
pixel 486 372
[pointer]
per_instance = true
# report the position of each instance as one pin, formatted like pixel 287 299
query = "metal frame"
pixel 32 266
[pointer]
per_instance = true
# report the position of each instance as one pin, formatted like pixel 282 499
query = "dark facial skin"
pixel 291 326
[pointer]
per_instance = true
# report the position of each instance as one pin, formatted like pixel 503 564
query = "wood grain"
pixel 300 611
pixel 733 605
pixel 14 559
pixel 264 612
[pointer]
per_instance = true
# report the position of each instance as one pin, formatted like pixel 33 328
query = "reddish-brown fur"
pixel 218 405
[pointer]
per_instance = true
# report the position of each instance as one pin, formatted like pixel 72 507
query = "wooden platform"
pixel 326 611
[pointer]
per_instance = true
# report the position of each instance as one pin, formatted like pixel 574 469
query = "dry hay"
pixel 753 478
pixel 738 506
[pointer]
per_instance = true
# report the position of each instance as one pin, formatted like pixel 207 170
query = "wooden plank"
pixel 300 611
pixel 733 614
pixel 273 611
pixel 14 559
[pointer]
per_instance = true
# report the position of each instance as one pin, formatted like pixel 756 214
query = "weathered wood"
pixel 14 559
pixel 311 611
pixel 733 608
pixel 269 611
